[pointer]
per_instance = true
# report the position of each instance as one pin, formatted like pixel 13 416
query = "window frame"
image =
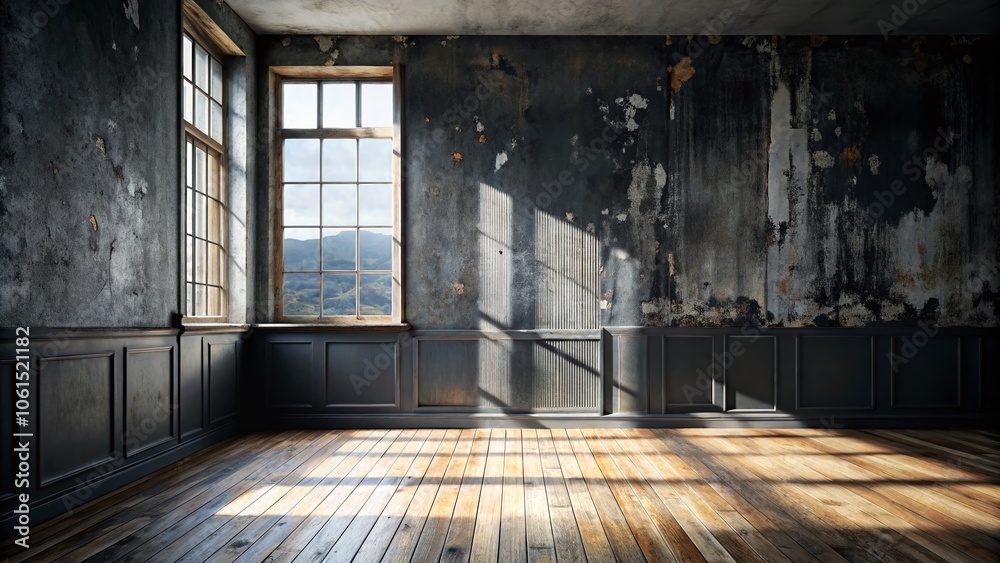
pixel 200 139
pixel 278 75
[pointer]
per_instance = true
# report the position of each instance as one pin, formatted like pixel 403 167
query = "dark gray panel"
pixel 191 386
pixel 631 374
pixel 750 376
pixel 925 371
pixel 689 370
pixel 361 373
pixel 289 374
pixel 75 399
pixel 835 372
pixel 446 373
pixel 509 374
pixel 148 398
pixel 222 376
pixel 6 427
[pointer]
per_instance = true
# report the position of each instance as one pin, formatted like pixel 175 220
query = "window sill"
pixel 189 326
pixel 329 327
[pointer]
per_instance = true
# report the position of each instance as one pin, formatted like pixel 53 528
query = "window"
pixel 205 187
pixel 338 198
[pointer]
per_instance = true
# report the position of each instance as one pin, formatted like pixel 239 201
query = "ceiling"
pixel 619 17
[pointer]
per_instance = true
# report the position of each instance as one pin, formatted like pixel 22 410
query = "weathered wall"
pixel 711 182
pixel 89 165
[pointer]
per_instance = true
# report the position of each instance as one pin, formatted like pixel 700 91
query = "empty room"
pixel 469 280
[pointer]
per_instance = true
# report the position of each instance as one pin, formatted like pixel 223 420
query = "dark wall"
pixel 90 171
pixel 572 183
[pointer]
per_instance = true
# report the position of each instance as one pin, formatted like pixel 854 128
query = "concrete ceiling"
pixel 620 17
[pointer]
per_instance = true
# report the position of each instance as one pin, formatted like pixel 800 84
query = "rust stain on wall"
pixel 680 73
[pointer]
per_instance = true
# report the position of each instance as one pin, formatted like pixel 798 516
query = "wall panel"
pixel 835 372
pixel 751 380
pixel 149 398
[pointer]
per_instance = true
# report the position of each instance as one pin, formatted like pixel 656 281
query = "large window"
pixel 205 191
pixel 338 198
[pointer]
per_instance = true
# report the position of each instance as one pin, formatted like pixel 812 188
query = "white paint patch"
pixel 501 160
pixel 638 101
pixel 832 116
pixel 673 112
pixel 590 227
pixel 569 216
pixel 325 42
pixel 332 59
pixel 114 47
pixel 635 102
pixel 822 159
pixel 479 125
pixel 132 11
pixel 815 135
pixel 873 164
pixel 621 217
pixel 603 108
pixel 285 42
pixel 589 90
pixel 605 304
pixel 444 43
pixel 837 131
pixel 112 125
pixel 660 176
pixel 605 211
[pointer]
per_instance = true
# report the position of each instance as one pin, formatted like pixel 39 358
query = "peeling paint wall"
pixel 690 182
pixel 89 165
pixel 90 162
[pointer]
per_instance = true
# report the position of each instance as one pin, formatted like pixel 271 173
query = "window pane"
pixel 190 211
pixel 217 122
pixel 301 250
pixel 376 249
pixel 188 102
pixel 216 220
pixel 199 300
pixel 212 267
pixel 201 215
pixel 200 172
pixel 339 292
pixel 190 260
pixel 187 57
pixel 301 205
pixel 340 203
pixel 201 111
pixel 190 299
pixel 300 160
pixel 298 105
pixel 189 164
pixel 339 104
pixel 201 67
pixel 200 262
pixel 375 160
pixel 376 104
pixel 375 204
pixel 339 249
pixel 214 302
pixel 300 295
pixel 216 80
pixel 213 183
pixel 340 160
pixel 376 294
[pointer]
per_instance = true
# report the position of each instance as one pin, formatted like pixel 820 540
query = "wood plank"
pixel 486 539
pixel 648 524
pixel 565 532
pixel 340 520
pixel 307 528
pixel 454 489
pixel 456 445
pixel 537 520
pixel 513 536
pixel 613 520
pixel 461 529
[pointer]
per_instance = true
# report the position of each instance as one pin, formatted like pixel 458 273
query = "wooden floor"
pixel 545 495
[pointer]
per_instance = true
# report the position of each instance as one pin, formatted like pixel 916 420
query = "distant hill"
pixel 301 292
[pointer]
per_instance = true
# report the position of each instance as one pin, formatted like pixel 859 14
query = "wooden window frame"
pixel 200 139
pixel 277 76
